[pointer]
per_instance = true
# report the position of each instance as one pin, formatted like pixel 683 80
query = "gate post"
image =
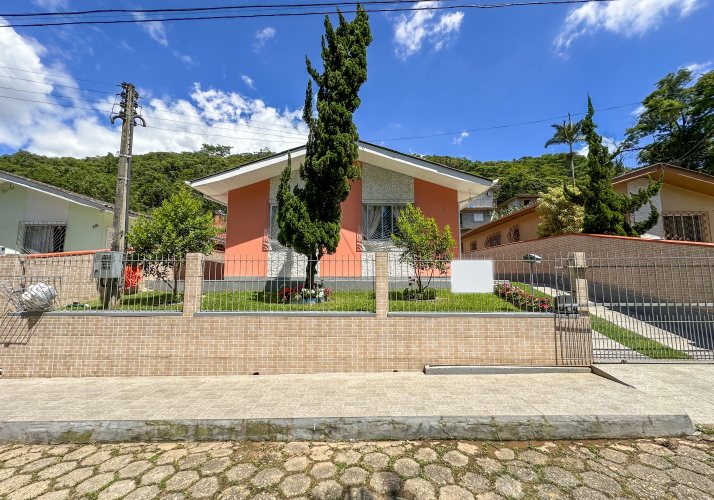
pixel 381 277
pixel 579 345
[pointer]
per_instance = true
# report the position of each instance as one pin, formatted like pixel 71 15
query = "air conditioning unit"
pixel 108 265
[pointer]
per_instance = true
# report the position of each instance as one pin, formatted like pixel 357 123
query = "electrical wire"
pixel 57 85
pixel 301 14
pixel 58 76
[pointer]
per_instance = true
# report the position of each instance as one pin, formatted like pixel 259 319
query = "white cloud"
pixel 637 112
pixel 248 81
pixel 51 4
pixel 699 69
pixel 457 140
pixel 411 31
pixel 43 128
pixel 262 36
pixel 154 29
pixel 626 17
pixel 186 59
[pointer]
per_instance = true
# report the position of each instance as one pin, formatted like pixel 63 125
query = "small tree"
pixel 605 210
pixel 178 227
pixel 425 248
pixel 559 215
pixel 568 133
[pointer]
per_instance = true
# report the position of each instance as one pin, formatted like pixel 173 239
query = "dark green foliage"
pixel 154 176
pixel 679 119
pixel 310 218
pixel 525 175
pixel 605 210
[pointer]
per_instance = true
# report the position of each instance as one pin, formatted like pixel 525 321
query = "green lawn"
pixel 451 302
pixel 636 342
pixel 144 301
pixel 247 301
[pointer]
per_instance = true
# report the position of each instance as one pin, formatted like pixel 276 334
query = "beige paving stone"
pixel 585 493
pixel 266 495
pixel 204 488
pixel 22 459
pixel 426 455
pixel 143 493
pixel 469 449
pixel 691 479
pixel 654 449
pixel 192 461
pixel 505 454
pixel 114 464
pixel 550 492
pixel 295 464
pixel 439 474
pixel 321 453
pixel 117 490
pixel 394 451
pixel 648 474
pixel 533 457
pixel 32 490
pixel 645 490
pixel 420 489
pixel 296 448
pixel 57 470
pixel 522 471
pixel 455 458
pixel 235 493
pixel 14 483
pixel 240 472
pixel 684 493
pixel 385 482
pixel 216 465
pixel 96 458
pixel 295 485
pixel 474 482
pixel 693 465
pixel 12 453
pixel 182 480
pixel 323 470
pixel 561 477
pixel 406 467
pixel 376 460
pixel 37 465
pixel 570 463
pixel 134 469
pixel 55 495
pixel 509 487
pixel 654 461
pixel 327 490
pixel 172 496
pixel 490 495
pixel 454 493
pixel 267 477
pixel 354 476
pixel 5 473
pixel 74 477
pixel 171 456
pixel 157 474
pixel 80 453
pixel 613 456
pixel 690 452
pixel 600 482
pixel 93 483
pixel 489 465
pixel 348 457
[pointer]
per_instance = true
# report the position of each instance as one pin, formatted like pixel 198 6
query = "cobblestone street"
pixel 447 470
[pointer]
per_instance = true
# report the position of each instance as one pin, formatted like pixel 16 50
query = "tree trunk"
pixel 572 164
pixel 311 269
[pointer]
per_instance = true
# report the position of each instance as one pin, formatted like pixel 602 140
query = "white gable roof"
pixel 217 186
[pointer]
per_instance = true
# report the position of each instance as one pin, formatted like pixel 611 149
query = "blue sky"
pixel 430 72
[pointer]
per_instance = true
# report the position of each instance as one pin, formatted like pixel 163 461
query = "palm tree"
pixel 568 133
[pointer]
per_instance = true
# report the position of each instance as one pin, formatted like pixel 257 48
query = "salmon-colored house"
pixel 390 180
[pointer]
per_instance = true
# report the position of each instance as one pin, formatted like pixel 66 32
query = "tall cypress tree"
pixel 605 210
pixel 310 217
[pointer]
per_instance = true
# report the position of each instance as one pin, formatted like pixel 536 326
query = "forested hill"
pixel 156 176
pixel 530 174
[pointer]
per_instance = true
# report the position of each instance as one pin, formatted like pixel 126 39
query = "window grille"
pixel 686 226
pixel 514 234
pixel 473 245
pixel 380 221
pixel 492 240
pixel 41 237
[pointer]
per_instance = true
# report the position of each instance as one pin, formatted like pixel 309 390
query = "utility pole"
pixel 128 115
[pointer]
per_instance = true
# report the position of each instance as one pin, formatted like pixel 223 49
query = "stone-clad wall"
pixel 188 343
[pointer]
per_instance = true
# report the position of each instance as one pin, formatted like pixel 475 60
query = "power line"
pixel 301 14
pixel 58 76
pixel 304 137
pixel 215 135
pixel 499 126
pixel 58 85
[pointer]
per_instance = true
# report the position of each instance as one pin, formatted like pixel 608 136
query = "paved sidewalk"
pixel 336 406
pixel 417 470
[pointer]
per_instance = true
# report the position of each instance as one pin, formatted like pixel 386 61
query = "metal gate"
pixel 636 308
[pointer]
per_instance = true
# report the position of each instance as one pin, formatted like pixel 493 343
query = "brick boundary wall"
pixel 186 343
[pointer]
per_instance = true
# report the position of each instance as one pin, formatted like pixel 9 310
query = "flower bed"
pixel 517 296
pixel 318 293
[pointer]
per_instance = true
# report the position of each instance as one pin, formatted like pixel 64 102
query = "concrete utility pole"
pixel 128 115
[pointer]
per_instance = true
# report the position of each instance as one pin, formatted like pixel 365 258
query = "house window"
pixel 478 216
pixel 686 226
pixel 379 222
pixel 473 245
pixel 492 240
pixel 526 203
pixel 514 234
pixel 41 237
pixel 273 228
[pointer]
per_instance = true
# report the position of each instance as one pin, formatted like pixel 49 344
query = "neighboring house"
pixel 685 204
pixel 519 201
pixel 219 222
pixel 390 180
pixel 479 211
pixel 39 218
